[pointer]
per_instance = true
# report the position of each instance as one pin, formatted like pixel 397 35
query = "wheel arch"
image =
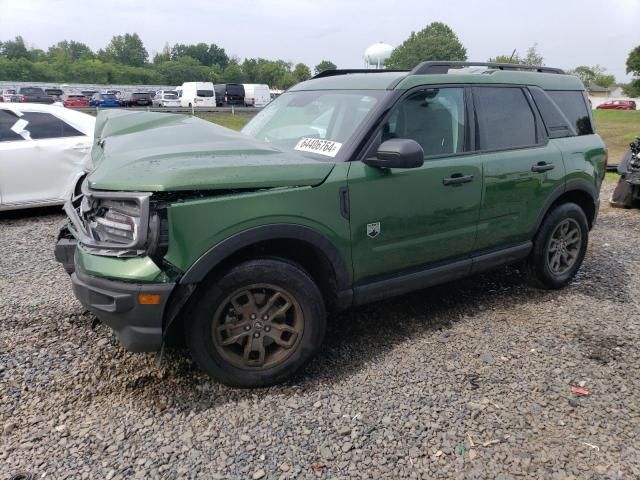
pixel 578 191
pixel 302 245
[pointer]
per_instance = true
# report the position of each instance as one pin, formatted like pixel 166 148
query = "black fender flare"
pixel 572 185
pixel 284 231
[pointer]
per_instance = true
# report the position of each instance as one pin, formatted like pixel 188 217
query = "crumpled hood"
pixel 148 151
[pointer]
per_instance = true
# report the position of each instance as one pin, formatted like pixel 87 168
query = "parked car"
pixel 75 100
pixel 229 94
pixel 34 95
pixel 617 105
pixel 346 189
pixel 104 100
pixel 166 98
pixel 139 99
pixel 56 93
pixel 89 93
pixel 256 95
pixel 197 94
pixel 7 93
pixel 42 152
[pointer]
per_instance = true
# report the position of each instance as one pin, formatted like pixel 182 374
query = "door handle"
pixel 457 179
pixel 542 167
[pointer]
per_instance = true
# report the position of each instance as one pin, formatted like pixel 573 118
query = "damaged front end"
pixel 112 224
pixel 627 191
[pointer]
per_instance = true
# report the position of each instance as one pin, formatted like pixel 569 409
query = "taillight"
pixel 23 98
pixel 226 99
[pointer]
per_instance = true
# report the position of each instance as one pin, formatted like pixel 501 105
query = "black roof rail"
pixel 443 67
pixel 346 71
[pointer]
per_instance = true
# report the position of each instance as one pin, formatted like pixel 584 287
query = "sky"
pixel 568 33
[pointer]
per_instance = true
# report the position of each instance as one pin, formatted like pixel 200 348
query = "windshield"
pixel 316 122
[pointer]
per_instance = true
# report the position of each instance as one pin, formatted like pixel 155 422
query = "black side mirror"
pixel 397 153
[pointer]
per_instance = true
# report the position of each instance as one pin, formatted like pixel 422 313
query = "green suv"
pixel 349 188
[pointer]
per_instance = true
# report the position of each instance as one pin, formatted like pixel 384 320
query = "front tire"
pixel 257 325
pixel 559 247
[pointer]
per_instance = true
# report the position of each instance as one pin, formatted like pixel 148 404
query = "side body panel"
pixel 513 195
pixel 196 226
pixel 421 220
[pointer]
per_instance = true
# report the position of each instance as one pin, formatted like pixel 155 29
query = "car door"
pixel 405 218
pixel 521 167
pixel 41 167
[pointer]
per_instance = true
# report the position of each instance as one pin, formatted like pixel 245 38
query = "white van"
pixel 197 94
pixel 256 94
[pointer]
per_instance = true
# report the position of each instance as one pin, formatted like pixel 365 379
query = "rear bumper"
pixel 138 327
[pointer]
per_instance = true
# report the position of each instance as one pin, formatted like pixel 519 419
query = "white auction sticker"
pixel 327 148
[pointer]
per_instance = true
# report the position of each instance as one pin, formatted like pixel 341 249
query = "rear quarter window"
pixel 8 120
pixel 574 107
pixel 45 125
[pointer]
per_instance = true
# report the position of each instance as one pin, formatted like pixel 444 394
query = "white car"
pixel 166 98
pixel 7 93
pixel 42 153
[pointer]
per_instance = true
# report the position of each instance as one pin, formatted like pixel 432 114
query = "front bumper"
pixel 137 326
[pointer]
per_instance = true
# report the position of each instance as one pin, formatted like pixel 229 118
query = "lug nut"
pixel 267 328
pixel 256 335
pixel 266 317
pixel 253 316
pixel 247 327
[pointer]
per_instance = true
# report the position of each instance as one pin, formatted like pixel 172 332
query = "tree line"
pixel 125 60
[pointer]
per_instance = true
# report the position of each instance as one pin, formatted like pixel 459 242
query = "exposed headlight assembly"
pixel 111 223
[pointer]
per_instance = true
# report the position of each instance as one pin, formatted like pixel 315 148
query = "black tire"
pixel 540 265
pixel 214 310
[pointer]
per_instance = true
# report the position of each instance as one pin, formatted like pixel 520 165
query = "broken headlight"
pixel 116 221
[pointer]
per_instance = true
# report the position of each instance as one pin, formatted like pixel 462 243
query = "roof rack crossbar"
pixel 346 71
pixel 443 67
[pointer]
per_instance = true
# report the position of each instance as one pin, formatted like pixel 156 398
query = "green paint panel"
pixel 136 269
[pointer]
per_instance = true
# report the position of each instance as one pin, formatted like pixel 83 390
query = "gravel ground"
pixel 469 380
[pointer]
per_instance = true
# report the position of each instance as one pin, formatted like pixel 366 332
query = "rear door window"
pixel 45 125
pixel 8 120
pixel 504 118
pixel 574 107
pixel 555 122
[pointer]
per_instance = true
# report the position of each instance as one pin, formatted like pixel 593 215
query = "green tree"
pixel 435 42
pixel 593 76
pixel 632 89
pixel 183 69
pixel 163 56
pixel 71 50
pixel 14 49
pixel 633 62
pixel 531 58
pixel 126 49
pixel 206 54
pixel 233 74
pixel 324 65
pixel 301 73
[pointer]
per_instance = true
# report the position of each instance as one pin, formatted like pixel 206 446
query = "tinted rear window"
pixel 204 93
pixel 235 89
pixel 504 118
pixel 53 91
pixel 8 120
pixel 140 95
pixel 109 96
pixel 45 125
pixel 574 107
pixel 31 91
pixel 555 122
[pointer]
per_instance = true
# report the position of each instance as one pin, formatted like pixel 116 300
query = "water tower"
pixel 376 54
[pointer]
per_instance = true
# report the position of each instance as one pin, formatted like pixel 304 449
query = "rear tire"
pixel 558 248
pixel 256 325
